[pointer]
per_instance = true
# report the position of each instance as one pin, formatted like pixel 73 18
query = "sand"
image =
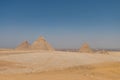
pixel 109 71
pixel 58 65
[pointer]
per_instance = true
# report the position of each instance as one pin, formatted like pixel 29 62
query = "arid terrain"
pixel 59 39
pixel 58 65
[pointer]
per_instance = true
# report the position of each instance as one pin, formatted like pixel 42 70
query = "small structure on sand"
pixel 103 52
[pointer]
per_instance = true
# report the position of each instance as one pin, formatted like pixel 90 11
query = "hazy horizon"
pixel 64 23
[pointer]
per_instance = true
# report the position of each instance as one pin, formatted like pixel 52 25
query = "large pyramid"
pixel 41 44
pixel 23 46
pixel 85 48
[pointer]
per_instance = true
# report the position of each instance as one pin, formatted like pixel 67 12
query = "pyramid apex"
pixel 85 44
pixel 41 38
pixel 26 41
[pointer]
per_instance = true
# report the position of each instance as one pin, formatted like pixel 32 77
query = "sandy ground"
pixel 104 71
pixel 42 65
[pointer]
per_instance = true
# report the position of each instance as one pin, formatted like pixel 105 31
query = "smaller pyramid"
pixel 85 48
pixel 23 46
pixel 41 44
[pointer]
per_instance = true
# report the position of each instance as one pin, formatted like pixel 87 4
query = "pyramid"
pixel 41 44
pixel 24 46
pixel 85 48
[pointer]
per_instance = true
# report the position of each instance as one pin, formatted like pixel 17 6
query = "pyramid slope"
pixel 41 44
pixel 23 46
pixel 85 48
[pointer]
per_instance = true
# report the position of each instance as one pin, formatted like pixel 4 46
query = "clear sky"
pixel 64 23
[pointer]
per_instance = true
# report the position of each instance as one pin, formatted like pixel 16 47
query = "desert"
pixel 57 65
pixel 42 62
pixel 59 39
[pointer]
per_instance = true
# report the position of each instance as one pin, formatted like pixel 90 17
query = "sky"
pixel 65 24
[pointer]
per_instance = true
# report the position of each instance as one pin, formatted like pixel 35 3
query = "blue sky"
pixel 64 23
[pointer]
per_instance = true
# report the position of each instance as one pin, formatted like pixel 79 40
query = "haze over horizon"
pixel 63 23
